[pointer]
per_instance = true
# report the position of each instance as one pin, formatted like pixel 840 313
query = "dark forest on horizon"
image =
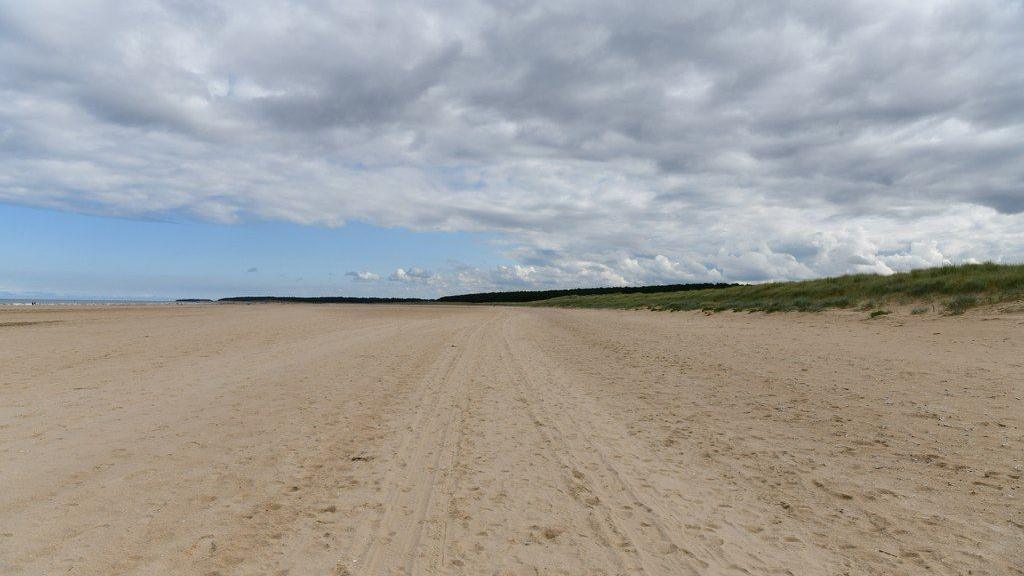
pixel 474 298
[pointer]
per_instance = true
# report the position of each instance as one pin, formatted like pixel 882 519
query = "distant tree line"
pixel 535 295
pixel 324 300
pixel 477 298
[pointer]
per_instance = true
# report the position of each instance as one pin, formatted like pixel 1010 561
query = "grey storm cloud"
pixel 605 142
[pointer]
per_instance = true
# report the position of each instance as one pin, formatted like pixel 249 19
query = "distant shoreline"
pixel 79 302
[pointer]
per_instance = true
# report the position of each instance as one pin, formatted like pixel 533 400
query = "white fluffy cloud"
pixel 606 143
pixel 363 276
pixel 412 276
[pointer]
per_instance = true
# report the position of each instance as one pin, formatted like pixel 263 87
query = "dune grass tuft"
pixel 961 303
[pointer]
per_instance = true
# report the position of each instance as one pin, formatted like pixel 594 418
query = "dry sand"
pixel 327 440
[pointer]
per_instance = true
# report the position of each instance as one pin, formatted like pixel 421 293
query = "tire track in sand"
pixel 645 533
pixel 425 453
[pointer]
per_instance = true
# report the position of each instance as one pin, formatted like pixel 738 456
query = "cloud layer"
pixel 606 143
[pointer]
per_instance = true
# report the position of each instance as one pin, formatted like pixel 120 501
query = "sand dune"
pixel 388 440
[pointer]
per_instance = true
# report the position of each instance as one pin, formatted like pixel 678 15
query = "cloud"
pixel 688 141
pixel 363 276
pixel 412 275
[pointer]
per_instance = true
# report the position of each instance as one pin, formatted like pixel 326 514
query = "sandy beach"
pixel 380 440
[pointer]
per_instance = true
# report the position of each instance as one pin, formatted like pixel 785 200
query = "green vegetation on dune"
pixel 955 288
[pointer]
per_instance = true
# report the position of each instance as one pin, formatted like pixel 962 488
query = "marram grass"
pixel 955 288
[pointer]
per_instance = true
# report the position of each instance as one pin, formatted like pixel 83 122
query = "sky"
pixel 180 148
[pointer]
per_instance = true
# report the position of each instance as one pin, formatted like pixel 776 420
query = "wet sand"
pixel 276 439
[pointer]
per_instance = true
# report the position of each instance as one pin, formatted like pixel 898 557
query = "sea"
pixel 57 302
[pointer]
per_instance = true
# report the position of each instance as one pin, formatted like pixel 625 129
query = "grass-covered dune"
pixel 954 288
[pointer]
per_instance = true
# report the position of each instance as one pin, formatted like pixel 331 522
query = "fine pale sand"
pixel 328 440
